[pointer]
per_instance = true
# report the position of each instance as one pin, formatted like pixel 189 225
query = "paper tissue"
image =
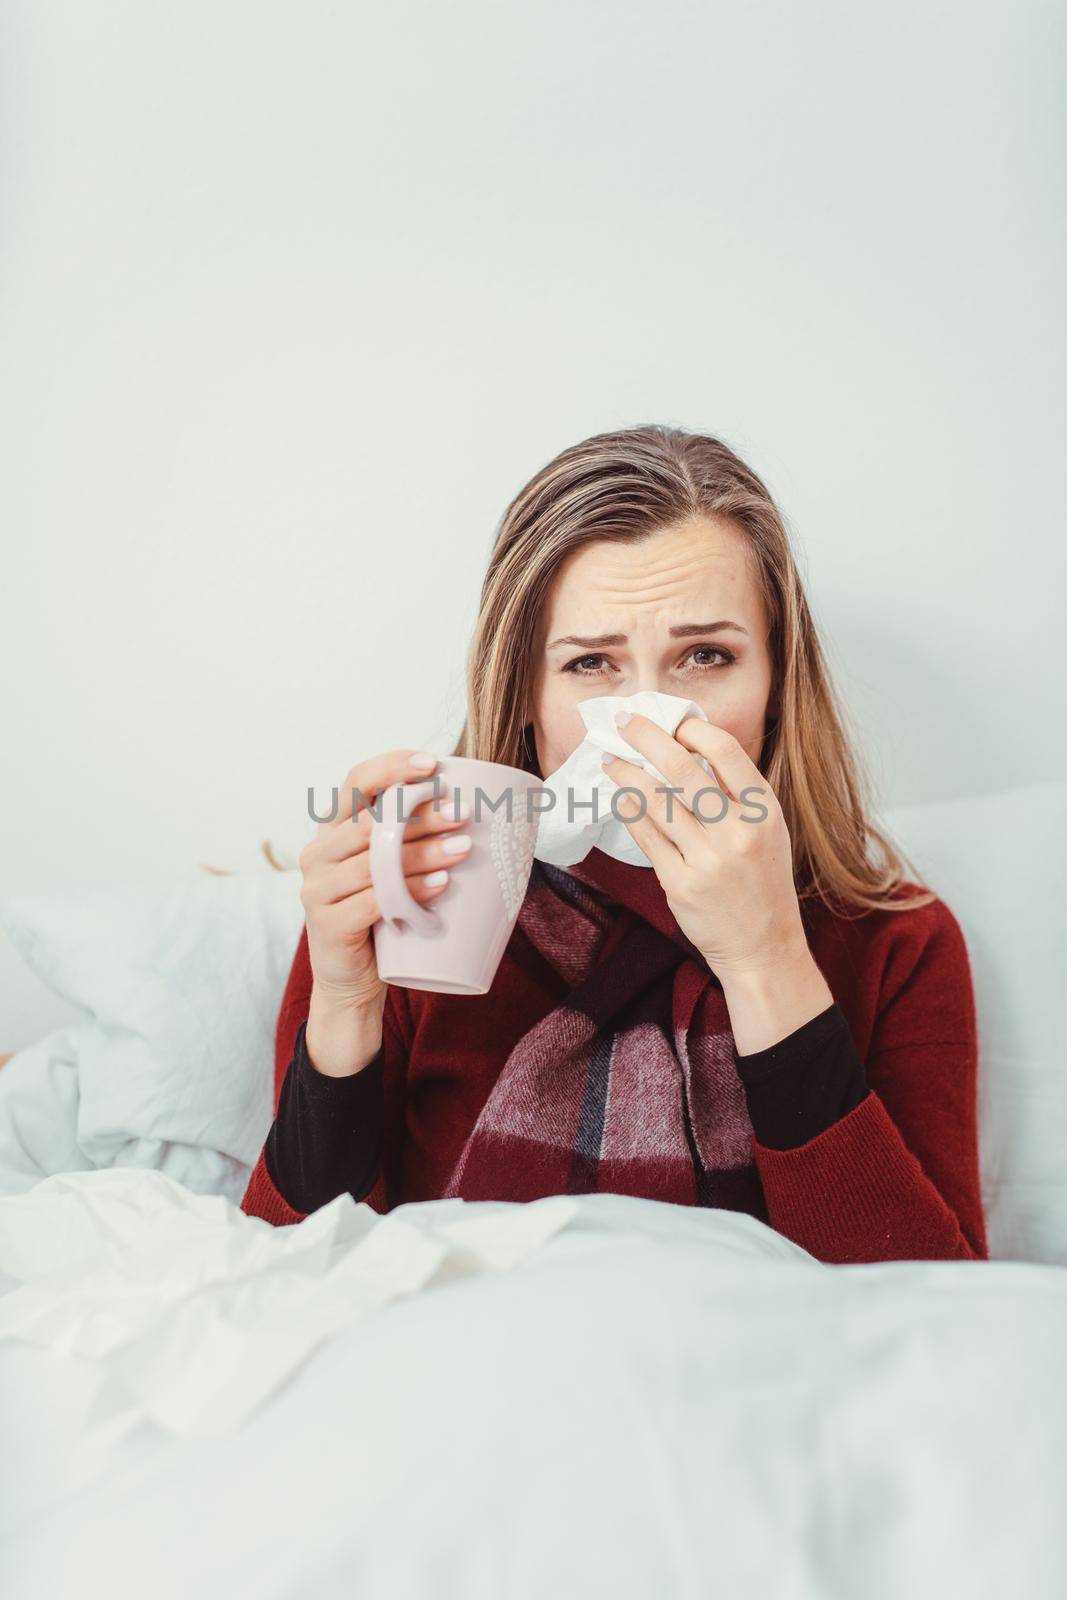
pixel 572 827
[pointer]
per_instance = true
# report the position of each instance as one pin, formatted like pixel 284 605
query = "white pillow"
pixel 39 1107
pixel 183 980
pixel 999 863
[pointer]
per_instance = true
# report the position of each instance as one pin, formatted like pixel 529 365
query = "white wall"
pixel 295 297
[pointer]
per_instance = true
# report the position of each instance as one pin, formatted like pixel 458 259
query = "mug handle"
pixel 395 900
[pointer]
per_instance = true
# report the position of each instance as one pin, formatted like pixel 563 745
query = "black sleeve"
pixel 802 1085
pixel 327 1136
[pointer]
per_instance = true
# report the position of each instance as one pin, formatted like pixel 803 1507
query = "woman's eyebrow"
pixel 684 630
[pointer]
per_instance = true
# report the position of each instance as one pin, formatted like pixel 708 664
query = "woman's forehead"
pixel 705 566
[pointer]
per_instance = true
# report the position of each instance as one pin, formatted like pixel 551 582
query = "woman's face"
pixel 679 612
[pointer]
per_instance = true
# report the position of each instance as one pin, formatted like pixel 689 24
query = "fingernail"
pixel 434 878
pixel 457 843
pixel 622 717
pixel 606 760
pixel 422 761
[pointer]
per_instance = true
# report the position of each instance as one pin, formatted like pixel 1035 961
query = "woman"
pixel 774 1018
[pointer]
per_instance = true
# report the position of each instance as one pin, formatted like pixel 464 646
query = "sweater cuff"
pixel 805 1083
pixel 857 1194
pixel 342 1093
pixel 262 1199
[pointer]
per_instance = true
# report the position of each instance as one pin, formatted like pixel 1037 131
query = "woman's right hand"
pixel 340 906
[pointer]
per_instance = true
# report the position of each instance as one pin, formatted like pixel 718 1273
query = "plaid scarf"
pixel 629 1085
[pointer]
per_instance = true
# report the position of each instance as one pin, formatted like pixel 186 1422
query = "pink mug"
pixel 454 944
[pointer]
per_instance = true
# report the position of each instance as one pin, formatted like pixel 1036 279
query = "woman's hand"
pixel 341 907
pixel 728 882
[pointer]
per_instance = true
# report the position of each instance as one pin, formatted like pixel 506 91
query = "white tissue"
pixel 567 832
pixel 193 1314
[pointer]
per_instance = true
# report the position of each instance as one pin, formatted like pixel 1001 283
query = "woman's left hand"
pixel 728 882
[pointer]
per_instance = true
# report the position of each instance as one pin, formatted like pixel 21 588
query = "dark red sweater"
pixel 896 1178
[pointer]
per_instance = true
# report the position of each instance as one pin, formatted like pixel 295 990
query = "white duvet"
pixel 584 1396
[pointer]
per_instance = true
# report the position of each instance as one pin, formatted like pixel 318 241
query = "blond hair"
pixel 624 486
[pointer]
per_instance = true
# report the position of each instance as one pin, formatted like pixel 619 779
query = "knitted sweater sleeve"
pixel 897 1178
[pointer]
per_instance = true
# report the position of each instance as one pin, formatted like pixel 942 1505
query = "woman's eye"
pixel 712 650
pixel 579 666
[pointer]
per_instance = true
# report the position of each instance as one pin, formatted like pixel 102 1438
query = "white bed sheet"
pixel 585 1396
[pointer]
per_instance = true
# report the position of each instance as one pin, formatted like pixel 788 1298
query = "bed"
pixel 583 1396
